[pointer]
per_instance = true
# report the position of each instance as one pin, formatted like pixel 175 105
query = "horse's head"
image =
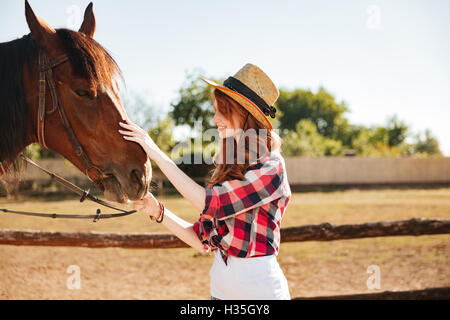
pixel 88 91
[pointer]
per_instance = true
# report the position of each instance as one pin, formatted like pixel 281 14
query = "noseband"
pixel 45 67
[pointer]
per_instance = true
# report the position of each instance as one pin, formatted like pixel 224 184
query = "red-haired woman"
pixel 246 197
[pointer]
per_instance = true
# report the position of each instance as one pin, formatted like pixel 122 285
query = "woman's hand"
pixel 181 228
pixel 136 134
pixel 148 205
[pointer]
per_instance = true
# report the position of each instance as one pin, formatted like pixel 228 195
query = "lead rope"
pixel 84 195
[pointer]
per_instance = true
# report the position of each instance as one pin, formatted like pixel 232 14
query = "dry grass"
pixel 312 268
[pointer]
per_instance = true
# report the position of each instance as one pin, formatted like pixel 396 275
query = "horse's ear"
pixel 88 25
pixel 42 33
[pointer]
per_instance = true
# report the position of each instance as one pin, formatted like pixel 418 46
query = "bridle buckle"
pixel 97 217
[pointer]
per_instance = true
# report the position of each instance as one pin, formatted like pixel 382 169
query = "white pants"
pixel 259 278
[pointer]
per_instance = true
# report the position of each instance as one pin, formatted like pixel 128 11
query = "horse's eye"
pixel 83 93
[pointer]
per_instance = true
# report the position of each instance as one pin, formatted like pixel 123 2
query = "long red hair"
pixel 266 141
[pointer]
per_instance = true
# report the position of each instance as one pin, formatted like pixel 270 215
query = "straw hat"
pixel 253 90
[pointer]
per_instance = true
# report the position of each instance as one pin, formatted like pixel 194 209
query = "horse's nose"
pixel 140 178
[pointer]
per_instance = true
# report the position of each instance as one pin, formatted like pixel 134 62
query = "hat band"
pixel 236 85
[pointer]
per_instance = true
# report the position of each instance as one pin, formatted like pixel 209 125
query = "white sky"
pixel 380 57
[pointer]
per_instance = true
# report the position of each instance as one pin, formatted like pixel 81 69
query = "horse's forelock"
pixel 89 58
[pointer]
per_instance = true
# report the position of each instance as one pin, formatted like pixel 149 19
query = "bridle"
pixel 45 68
pixel 46 77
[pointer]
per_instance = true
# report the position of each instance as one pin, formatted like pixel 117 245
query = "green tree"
pixel 397 131
pixel 325 131
pixel 321 108
pixel 35 152
pixel 161 133
pixel 392 134
pixel 366 145
pixel 428 145
pixel 193 103
pixel 306 141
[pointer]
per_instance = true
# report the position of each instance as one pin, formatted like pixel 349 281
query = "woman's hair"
pixel 233 159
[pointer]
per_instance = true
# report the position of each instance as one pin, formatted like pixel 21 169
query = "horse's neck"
pixel 14 113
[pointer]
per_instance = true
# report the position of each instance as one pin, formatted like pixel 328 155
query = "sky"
pixel 380 57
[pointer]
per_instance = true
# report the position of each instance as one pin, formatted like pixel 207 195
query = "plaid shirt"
pixel 242 218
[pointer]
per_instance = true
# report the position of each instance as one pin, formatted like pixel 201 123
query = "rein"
pixel 45 67
pixel 81 192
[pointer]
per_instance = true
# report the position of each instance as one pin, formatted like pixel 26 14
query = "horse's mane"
pixel 13 109
pixel 88 58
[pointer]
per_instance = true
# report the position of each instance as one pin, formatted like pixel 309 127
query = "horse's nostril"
pixel 136 176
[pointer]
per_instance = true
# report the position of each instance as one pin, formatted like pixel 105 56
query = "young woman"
pixel 246 197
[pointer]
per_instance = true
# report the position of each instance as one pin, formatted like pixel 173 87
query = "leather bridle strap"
pixel 96 217
pixel 84 195
pixel 46 77
pixel 69 185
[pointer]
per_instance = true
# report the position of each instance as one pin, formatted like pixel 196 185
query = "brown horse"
pixel 87 91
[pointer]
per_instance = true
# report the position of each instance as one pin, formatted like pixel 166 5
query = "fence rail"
pixel 318 232
pixel 439 293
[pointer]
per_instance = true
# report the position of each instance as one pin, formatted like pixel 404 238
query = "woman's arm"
pixel 183 230
pixel 188 188
pixel 179 227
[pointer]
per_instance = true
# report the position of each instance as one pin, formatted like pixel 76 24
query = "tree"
pixel 392 134
pixel 161 133
pixel 397 131
pixel 306 141
pixel 193 103
pixel 311 124
pixel 321 108
pixel 429 145
pixel 371 143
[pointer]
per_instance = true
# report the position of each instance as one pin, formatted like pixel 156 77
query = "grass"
pixel 312 268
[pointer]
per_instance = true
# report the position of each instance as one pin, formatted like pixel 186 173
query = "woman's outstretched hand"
pixel 136 134
pixel 148 205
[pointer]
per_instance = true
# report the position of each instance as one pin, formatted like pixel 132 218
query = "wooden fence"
pixel 325 171
pixel 317 232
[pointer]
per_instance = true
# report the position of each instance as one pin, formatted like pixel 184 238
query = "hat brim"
pixel 244 102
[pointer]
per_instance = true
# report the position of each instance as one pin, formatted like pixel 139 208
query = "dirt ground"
pixel 312 268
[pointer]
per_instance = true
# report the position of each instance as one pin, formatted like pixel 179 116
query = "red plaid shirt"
pixel 242 218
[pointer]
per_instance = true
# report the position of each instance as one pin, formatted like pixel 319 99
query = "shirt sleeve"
pixel 204 229
pixel 207 231
pixel 262 184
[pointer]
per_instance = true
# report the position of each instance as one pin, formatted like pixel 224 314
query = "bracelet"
pixel 161 216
